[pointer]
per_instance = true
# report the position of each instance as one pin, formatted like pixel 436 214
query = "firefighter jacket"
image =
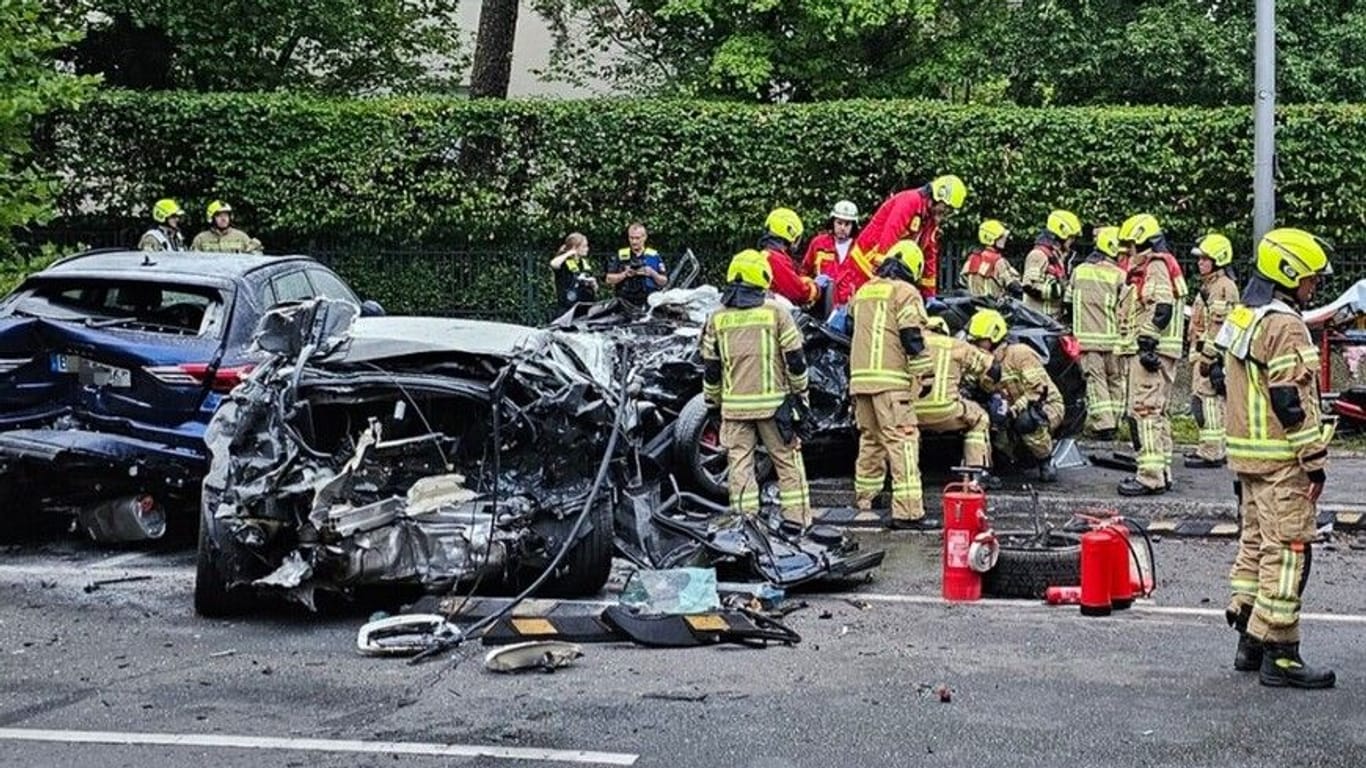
pixel 230 240
pixel 905 215
pixel 1217 295
pixel 987 273
pixel 1045 276
pixel 943 367
pixel 1158 309
pixel 798 289
pixel 889 320
pixel 1024 380
pixel 1271 368
pixel 161 238
pixel 752 360
pixel 823 256
pixel 1094 290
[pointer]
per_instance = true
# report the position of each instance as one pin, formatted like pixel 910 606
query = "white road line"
pixel 84 571
pixel 225 741
pixel 117 560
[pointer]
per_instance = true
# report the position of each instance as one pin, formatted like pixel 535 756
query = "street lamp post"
pixel 1264 123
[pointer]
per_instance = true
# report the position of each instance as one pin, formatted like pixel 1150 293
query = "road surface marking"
pixel 117 560
pixel 225 741
pixel 83 571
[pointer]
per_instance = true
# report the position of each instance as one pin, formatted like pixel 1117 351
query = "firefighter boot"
pixel 1047 472
pixel 1282 667
pixel 1248 657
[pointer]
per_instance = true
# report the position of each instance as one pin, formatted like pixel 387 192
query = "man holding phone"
pixel 638 270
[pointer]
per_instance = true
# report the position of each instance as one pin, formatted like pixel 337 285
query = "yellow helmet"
pixel 938 325
pixel 1107 241
pixel 991 231
pixel 1139 229
pixel 1216 248
pixel 217 207
pixel 785 223
pixel 949 190
pixel 909 255
pixel 751 268
pixel 1064 224
pixel 1286 256
pixel 165 209
pixel 987 324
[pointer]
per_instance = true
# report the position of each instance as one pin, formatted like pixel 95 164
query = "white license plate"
pixel 92 373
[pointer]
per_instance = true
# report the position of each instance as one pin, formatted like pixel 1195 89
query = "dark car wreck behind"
pixel 362 453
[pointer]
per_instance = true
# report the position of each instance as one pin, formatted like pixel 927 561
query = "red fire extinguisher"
pixel 970 547
pixel 1112 568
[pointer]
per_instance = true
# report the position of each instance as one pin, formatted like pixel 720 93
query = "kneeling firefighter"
pixel 1278 446
pixel 946 365
pixel 753 370
pixel 1027 405
pixel 889 321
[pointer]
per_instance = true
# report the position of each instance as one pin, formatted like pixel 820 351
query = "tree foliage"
pixel 333 46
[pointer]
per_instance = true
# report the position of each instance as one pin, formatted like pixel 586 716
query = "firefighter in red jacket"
pixel 911 214
pixel 783 231
pixel 829 251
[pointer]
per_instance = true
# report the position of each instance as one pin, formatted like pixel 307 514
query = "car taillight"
pixel 194 374
pixel 1071 347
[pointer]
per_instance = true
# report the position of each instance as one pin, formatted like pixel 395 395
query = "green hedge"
pixel 363 175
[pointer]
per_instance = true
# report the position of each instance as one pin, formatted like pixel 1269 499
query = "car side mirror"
pixel 371 308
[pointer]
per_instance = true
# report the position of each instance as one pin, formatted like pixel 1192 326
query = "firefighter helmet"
pixel 845 211
pixel 217 207
pixel 750 267
pixel 1216 248
pixel 909 255
pixel 785 223
pixel 165 209
pixel 991 231
pixel 1139 229
pixel 987 324
pixel 1064 224
pixel 1287 256
pixel 1107 241
pixel 949 190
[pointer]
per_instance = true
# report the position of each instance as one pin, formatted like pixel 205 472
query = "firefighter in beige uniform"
pixel 1159 321
pixel 752 363
pixel 888 316
pixel 942 369
pixel 1278 446
pixel 1027 405
pixel 1094 290
pixel 1045 266
pixel 986 273
pixel 1216 296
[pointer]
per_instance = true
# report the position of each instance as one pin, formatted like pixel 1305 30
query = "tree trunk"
pixel 493 49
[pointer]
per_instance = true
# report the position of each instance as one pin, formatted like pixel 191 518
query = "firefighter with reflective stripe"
pixel 222 236
pixel 165 236
pixel 752 363
pixel 829 250
pixel 1093 291
pixel 1158 324
pixel 986 272
pixel 1045 268
pixel 1278 446
pixel 1216 296
pixel 1026 405
pixel 888 319
pixel 943 368
pixel 911 214
pixel 782 232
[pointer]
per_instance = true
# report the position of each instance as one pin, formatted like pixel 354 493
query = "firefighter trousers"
pixel 888 434
pixel 1104 374
pixel 1274 551
pixel 1038 443
pixel 1208 410
pixel 740 438
pixel 1149 392
pixel 962 415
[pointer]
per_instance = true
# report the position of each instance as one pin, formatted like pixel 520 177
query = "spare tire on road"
pixel 1028 566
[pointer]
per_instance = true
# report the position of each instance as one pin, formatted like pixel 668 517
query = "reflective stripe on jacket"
pixel 751 345
pixel 877 359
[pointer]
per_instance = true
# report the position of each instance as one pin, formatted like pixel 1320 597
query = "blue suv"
pixel 112 362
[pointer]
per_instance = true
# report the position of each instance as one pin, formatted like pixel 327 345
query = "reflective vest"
pixel 987 273
pixel 1094 291
pixel 751 345
pixel 877 359
pixel 1044 272
pixel 942 367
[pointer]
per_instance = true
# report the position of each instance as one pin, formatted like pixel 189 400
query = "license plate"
pixel 92 373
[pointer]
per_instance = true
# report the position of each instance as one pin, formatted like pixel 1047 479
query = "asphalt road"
pixel 1031 685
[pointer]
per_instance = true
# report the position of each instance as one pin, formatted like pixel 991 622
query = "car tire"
pixel 212 597
pixel 1026 572
pixel 699 455
pixel 586 567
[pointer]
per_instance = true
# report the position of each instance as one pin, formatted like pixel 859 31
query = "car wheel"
pixel 699 454
pixel 212 596
pixel 586 567
pixel 1025 570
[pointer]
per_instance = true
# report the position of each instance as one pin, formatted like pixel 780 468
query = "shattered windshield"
pixel 143 305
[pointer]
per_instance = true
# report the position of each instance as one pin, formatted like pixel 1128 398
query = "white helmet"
pixel 845 210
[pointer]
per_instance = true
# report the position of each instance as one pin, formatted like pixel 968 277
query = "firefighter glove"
pixel 1026 421
pixel 998 410
pixel 823 282
pixel 1217 379
pixel 1147 354
pixel 1015 291
pixel 1162 316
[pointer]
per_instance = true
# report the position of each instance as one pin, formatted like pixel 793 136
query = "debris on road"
pixel 539 655
pixel 223 654
pixel 405 635
pixel 672 591
pixel 97 584
pixel 692 698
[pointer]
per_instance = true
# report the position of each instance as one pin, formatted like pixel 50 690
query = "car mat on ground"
pixel 539 655
pixel 1122 461
pixel 849 517
pixel 740 627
